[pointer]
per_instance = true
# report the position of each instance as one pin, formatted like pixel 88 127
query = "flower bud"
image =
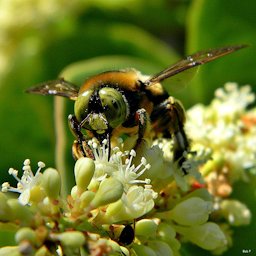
pixel 10 250
pixel 71 239
pixel 160 248
pixel 25 234
pixel 19 211
pixel 202 193
pixel 166 231
pixel 84 170
pixel 110 190
pixel 51 183
pixel 74 193
pixel 5 211
pixel 146 228
pixel 115 212
pixel 193 211
pixel 236 212
pixel 167 234
pixel 86 198
pixel 143 250
pixel 42 251
pixel 208 236
pixel 116 248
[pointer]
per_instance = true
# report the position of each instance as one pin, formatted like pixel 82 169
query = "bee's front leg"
pixel 142 119
pixel 168 118
pixel 80 147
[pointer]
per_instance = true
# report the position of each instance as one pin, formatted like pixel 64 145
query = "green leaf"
pixel 219 23
pixel 97 38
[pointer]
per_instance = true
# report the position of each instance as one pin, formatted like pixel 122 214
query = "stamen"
pixel 41 164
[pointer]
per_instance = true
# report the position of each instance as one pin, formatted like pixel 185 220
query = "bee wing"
pixel 192 61
pixel 58 87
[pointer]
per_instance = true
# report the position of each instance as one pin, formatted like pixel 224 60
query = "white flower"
pixel 227 120
pixel 128 173
pixel 135 203
pixel 120 165
pixel 139 200
pixel 26 183
pixel 232 100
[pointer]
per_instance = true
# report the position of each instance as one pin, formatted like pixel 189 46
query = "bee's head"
pixel 101 109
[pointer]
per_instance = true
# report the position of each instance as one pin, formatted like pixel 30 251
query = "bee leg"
pixel 142 119
pixel 180 147
pixel 168 118
pixel 80 147
pixel 77 152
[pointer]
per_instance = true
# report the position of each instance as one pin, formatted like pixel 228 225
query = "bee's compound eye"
pixel 114 105
pixel 81 105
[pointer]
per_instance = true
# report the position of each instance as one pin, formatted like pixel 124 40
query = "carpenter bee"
pixel 119 102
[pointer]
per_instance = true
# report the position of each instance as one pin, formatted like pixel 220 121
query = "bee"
pixel 119 102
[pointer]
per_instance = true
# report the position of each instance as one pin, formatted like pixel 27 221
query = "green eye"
pixel 115 106
pixel 81 105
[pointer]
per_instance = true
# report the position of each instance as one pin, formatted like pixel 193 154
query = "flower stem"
pixel 59 112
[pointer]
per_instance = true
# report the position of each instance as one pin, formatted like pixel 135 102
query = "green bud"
pixel 208 236
pixel 166 231
pixel 51 183
pixel 86 198
pixel 115 212
pixel 74 192
pixel 160 248
pixel 94 185
pixel 19 211
pixel 167 234
pixel 124 251
pixel 143 250
pixel 25 234
pixel 84 170
pixel 110 190
pixel 10 250
pixel 116 248
pixel 42 251
pixel 73 239
pixel 5 211
pixel 202 193
pixel 235 212
pixel 146 228
pixel 193 211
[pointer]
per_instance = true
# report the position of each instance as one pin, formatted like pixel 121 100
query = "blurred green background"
pixel 39 38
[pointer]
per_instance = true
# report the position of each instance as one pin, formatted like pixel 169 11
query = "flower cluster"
pixel 227 129
pixel 140 203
